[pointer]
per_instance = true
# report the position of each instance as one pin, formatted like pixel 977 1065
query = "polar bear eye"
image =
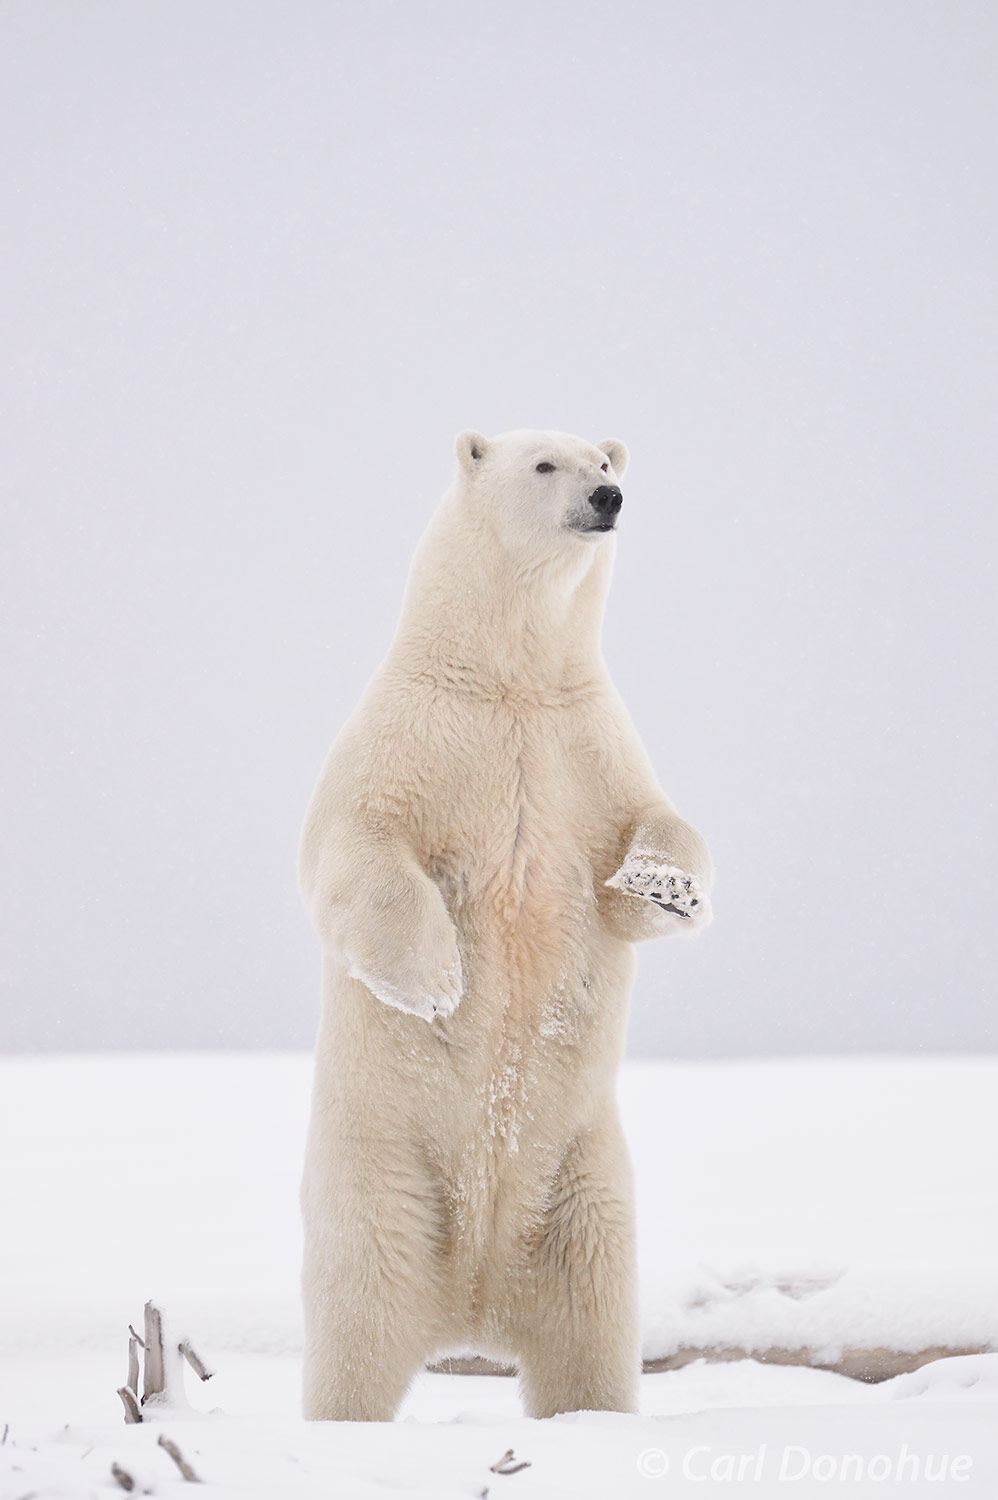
pixel 605 468
pixel 545 468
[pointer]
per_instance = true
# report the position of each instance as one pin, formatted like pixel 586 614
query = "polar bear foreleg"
pixel 579 1347
pixel 662 885
pixel 377 910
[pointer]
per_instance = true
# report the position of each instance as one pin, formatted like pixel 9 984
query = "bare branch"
pixel 129 1401
pixel 508 1464
pixel 195 1361
pixel 155 1374
pixel 162 1373
pixel 178 1458
pixel 123 1477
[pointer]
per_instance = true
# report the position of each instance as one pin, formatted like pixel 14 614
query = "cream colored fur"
pixel 467 1185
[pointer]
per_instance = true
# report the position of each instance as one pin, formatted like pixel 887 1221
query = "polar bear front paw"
pixel 441 999
pixel 666 885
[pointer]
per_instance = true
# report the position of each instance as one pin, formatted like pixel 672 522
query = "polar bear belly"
pixel 526 1052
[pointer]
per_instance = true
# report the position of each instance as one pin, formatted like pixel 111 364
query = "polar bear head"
pixel 542 491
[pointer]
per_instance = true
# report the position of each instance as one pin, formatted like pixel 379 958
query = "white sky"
pixel 260 262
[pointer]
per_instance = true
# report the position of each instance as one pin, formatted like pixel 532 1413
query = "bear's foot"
pixel 670 889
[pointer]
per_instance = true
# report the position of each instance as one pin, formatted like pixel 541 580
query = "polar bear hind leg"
pixel 578 1342
pixel 372 1294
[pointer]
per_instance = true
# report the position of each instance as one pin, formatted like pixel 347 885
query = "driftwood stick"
pixel 178 1458
pixel 162 1373
pixel 129 1401
pixel 155 1373
pixel 195 1361
pixel 123 1477
pixel 508 1464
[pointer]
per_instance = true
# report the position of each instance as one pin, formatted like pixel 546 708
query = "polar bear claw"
pixel 668 886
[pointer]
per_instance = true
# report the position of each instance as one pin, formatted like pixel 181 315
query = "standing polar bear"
pixel 486 842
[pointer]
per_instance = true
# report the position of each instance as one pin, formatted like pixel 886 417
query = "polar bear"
pixel 486 842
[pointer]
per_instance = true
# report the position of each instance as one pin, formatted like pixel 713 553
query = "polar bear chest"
pixel 512 822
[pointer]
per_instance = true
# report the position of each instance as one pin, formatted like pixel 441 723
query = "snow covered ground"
pixel 821 1206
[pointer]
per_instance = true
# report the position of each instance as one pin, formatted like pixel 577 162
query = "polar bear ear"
pixel 617 454
pixel 470 448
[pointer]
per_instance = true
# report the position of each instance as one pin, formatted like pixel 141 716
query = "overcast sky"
pixel 261 262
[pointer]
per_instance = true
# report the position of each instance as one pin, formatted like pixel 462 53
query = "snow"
pixel 822 1205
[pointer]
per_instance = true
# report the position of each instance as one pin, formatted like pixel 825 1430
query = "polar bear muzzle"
pixel 606 502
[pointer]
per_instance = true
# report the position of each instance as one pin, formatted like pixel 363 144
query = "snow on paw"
pixel 447 997
pixel 652 878
pixel 427 1001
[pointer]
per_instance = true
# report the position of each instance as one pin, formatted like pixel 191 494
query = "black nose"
pixel 606 501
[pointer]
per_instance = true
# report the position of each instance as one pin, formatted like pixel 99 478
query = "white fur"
pixel 466 1183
